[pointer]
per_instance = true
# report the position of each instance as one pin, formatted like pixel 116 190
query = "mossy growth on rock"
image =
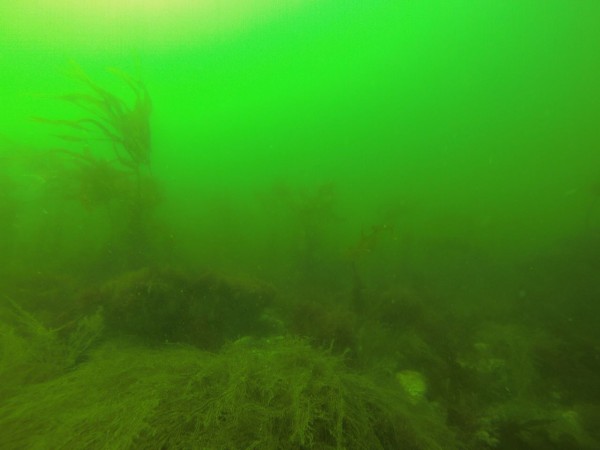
pixel 163 305
pixel 31 352
pixel 267 394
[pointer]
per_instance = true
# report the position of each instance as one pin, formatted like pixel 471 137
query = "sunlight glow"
pixel 149 20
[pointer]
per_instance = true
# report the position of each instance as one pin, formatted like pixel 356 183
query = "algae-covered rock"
pixel 168 306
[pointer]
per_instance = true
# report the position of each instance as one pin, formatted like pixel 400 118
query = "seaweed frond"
pixel 110 118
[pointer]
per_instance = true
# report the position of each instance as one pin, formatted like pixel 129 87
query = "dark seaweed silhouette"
pixel 111 118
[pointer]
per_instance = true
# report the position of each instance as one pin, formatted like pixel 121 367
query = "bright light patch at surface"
pixel 135 10
pixel 148 21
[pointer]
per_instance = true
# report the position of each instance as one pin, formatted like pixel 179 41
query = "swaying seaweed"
pixel 126 127
pixel 257 394
pixel 121 179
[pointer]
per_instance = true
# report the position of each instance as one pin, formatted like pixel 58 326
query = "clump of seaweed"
pixel 267 394
pixel 121 177
pixel 31 352
pixel 126 127
pixel 92 181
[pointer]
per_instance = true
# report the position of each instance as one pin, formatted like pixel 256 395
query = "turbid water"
pixel 299 224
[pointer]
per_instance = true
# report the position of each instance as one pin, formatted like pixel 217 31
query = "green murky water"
pixel 303 224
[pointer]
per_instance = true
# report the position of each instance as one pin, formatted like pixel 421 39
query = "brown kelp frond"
pixel 135 85
pixel 82 125
pixel 115 118
pixel 369 240
pixel 77 124
pixel 99 181
pixel 111 117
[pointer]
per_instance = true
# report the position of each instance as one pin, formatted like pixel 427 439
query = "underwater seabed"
pixel 272 325
pixel 158 358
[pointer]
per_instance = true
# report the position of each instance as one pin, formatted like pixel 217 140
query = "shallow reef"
pixel 256 393
pixel 161 358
